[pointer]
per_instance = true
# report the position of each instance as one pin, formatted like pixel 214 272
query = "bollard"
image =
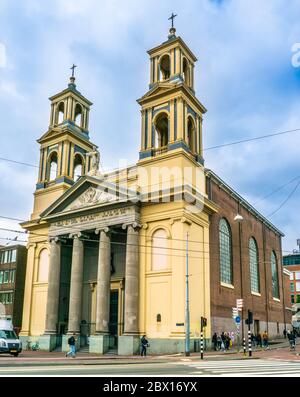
pixel 249 343
pixel 201 345
pixel 244 346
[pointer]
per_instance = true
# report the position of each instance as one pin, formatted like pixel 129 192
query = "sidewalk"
pixel 38 358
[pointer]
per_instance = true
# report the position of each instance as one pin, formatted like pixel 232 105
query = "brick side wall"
pixel 264 307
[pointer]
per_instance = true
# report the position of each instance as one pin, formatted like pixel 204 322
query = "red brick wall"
pixel 264 307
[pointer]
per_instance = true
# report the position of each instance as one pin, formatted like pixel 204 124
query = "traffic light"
pixel 249 320
pixel 203 322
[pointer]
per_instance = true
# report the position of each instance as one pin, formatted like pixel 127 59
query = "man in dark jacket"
pixel 144 345
pixel 215 341
pixel 72 345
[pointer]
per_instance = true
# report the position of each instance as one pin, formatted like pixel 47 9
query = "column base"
pixel 99 344
pixel 65 347
pixel 46 343
pixel 128 345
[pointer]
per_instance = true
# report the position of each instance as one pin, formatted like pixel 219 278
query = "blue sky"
pixel 243 76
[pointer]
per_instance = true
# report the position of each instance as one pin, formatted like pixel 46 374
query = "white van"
pixel 9 342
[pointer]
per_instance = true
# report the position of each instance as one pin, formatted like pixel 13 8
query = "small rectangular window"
pixel 298 299
pixel 6 276
pixel 292 287
pixel 292 276
pixel 12 275
pixel 6 257
pixel 2 257
pixel 14 256
pixel 292 298
pixel 297 275
pixel 1 277
pixel 298 286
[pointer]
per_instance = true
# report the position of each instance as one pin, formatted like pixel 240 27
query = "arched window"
pixel 52 166
pixel 275 280
pixel 78 115
pixel 191 134
pixel 159 250
pixel 78 167
pixel 164 68
pixel 186 71
pixel 225 242
pixel 43 266
pixel 254 266
pixel 60 113
pixel 162 129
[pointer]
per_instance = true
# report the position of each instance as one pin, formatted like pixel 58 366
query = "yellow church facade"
pixel 107 253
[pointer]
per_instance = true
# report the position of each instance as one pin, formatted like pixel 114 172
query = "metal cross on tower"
pixel 172 18
pixel 73 69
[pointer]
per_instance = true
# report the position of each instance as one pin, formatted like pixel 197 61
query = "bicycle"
pixel 35 346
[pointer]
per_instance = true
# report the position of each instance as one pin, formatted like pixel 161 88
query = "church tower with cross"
pixel 64 146
pixel 171 113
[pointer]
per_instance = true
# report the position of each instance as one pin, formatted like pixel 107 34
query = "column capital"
pixel 105 229
pixel 54 239
pixel 135 225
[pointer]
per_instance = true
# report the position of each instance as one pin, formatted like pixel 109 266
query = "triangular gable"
pixel 159 89
pixel 89 192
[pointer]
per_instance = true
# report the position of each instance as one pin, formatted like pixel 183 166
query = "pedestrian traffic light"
pixel 203 322
pixel 249 320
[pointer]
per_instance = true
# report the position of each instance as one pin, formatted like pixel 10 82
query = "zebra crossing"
pixel 238 368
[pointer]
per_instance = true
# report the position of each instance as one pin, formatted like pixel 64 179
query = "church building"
pixel 108 252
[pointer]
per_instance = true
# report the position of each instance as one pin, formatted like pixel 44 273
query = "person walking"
pixel 258 340
pixel 144 345
pixel 72 346
pixel 265 339
pixel 291 339
pixel 285 332
pixel 215 341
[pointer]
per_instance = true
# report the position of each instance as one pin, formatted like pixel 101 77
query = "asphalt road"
pixel 196 368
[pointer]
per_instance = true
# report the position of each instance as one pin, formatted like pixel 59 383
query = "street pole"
pixel 187 309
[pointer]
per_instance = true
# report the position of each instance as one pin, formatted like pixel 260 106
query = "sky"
pixel 244 76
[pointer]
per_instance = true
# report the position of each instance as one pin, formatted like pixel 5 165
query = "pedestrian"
pixel 258 340
pixel 265 339
pixel 291 339
pixel 284 333
pixel 223 344
pixel 144 345
pixel 215 341
pixel 219 339
pixel 72 346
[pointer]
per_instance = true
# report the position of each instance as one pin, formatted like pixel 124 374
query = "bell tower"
pixel 171 113
pixel 64 146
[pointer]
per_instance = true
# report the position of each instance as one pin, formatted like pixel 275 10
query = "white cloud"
pixel 3 60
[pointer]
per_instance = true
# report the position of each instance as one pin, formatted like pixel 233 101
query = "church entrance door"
pixel 113 319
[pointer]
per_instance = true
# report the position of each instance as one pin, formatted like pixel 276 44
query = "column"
pixel 53 287
pixel 76 285
pixel 103 283
pixel 131 326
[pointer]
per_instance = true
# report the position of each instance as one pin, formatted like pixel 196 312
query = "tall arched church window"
pixel 78 115
pixel 165 67
pixel 162 130
pixel 43 266
pixel 60 113
pixel 191 135
pixel 159 250
pixel 78 167
pixel 52 166
pixel 254 265
pixel 225 242
pixel 275 279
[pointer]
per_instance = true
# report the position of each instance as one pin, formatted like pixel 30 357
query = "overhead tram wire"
pixel 120 243
pixel 205 149
pixel 286 200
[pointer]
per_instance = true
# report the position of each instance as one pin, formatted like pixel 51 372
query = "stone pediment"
pixel 87 193
pixel 162 88
pixel 92 196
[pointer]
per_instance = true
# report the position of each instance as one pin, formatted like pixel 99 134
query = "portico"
pixel 102 238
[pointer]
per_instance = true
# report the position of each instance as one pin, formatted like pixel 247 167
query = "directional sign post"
pixel 238 320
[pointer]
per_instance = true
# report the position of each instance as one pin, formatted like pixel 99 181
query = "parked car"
pixel 9 341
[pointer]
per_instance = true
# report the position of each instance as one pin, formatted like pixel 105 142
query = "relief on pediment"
pixel 92 196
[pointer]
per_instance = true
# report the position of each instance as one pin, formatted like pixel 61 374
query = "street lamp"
pixel 239 219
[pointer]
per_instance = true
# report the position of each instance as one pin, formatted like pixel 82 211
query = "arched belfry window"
pixel 254 265
pixel 191 134
pixel 78 115
pixel 165 67
pixel 159 250
pixel 60 113
pixel 225 243
pixel 162 130
pixel 275 279
pixel 78 166
pixel 52 166
pixel 186 71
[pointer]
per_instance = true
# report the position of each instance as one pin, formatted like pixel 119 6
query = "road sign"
pixel 238 319
pixel 240 304
pixel 235 312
